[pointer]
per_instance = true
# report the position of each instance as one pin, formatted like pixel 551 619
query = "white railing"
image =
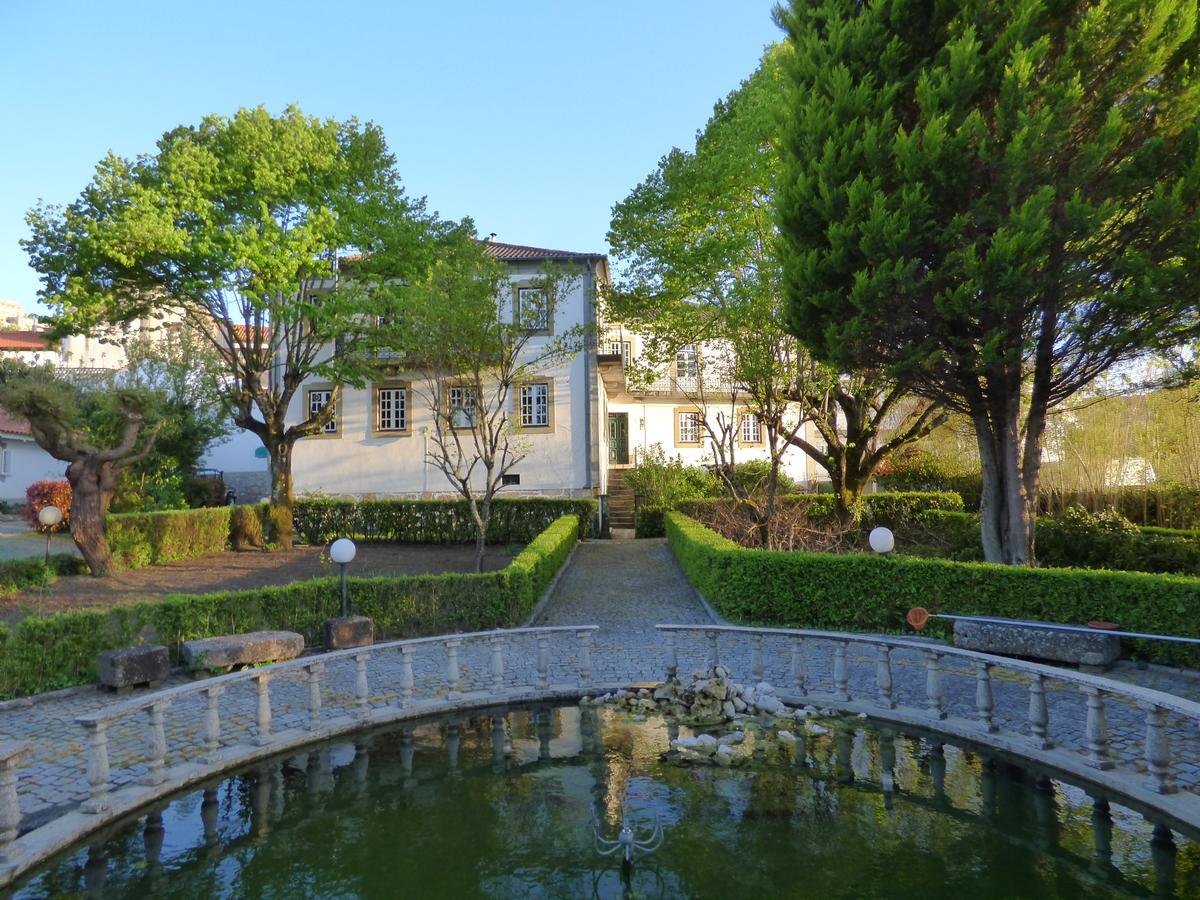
pixel 1147 776
pixel 499 679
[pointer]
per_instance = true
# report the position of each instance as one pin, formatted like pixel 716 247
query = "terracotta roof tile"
pixel 519 252
pixel 10 424
pixel 23 340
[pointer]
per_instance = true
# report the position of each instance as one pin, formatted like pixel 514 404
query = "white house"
pixel 580 422
pixel 22 461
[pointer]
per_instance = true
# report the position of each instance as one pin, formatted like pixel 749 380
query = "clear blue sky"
pixel 533 117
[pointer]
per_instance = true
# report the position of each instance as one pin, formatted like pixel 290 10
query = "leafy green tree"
pixel 99 433
pixel 993 200
pixel 696 242
pixel 236 226
pixel 457 332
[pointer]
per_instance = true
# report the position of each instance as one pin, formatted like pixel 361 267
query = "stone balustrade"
pixel 921 699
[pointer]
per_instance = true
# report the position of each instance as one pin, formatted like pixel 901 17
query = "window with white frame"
pixel 751 428
pixel 623 349
pixel 318 399
pixel 535 405
pixel 5 463
pixel 391 408
pixel 533 312
pixel 463 402
pixel 689 428
pixel 687 362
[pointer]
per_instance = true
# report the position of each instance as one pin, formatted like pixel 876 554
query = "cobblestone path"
pixel 624 587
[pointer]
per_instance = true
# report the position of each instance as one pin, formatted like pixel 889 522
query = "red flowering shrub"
pixel 48 493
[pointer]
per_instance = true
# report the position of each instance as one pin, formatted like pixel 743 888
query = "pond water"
pixel 505 804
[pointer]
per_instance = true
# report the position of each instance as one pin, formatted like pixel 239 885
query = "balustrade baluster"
pixel 362 690
pixel 883 676
pixel 1097 729
pixel 935 691
pixel 1039 715
pixel 585 657
pixel 496 667
pixel 672 656
pixel 212 722
pixel 543 661
pixel 1158 750
pixel 156 745
pixel 97 767
pixel 313 672
pixel 983 697
pixel 10 803
pixel 406 676
pixel 841 677
pixel 263 714
pixel 798 665
pixel 756 657
pixel 714 655
pixel 453 675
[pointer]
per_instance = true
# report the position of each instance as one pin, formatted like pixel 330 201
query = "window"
pixel 463 400
pixel 5 463
pixel 318 399
pixel 687 363
pixel 391 408
pixel 751 428
pixel 687 427
pixel 533 312
pixel 535 405
pixel 623 349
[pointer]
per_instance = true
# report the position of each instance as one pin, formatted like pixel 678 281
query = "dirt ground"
pixel 233 570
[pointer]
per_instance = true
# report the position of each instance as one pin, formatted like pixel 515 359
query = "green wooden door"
pixel 618 438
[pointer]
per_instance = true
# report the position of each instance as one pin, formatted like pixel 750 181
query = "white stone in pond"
pixel 814 728
pixel 723 756
pixel 771 705
pixel 829 711
pixel 706 743
pixel 739 705
pixel 764 687
pixel 862 715
pixel 787 737
pixel 684 743
pixel 733 737
pixel 801 714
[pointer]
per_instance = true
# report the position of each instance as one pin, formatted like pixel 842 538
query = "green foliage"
pixel 46 652
pixel 41 494
pixel 515 520
pixel 753 475
pixel 649 522
pixel 661 481
pixel 247 526
pixel 136 540
pixel 152 487
pixel 34 572
pixel 895 510
pixel 867 592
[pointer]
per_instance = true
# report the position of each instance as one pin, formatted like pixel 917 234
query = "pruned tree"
pixel 697 245
pixel 236 226
pixel 98 433
pixel 471 350
pixel 995 202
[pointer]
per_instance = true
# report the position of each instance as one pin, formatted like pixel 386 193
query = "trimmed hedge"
pixel 136 540
pixel 35 572
pixel 46 652
pixel 515 520
pixel 868 592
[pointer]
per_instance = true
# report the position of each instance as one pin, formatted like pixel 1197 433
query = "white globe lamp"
pixel 882 540
pixel 49 516
pixel 342 552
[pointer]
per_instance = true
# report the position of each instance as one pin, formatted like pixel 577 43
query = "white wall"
pixel 236 454
pixel 29 463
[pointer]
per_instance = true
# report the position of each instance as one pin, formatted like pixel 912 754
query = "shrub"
pixel 662 481
pixel 144 539
pixel 1108 540
pixel 22 574
pixel 753 475
pixel 867 592
pixel 247 527
pixel 46 652
pixel 649 522
pixel 41 494
pixel 515 520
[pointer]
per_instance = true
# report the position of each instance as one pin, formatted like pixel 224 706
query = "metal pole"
pixel 47 546
pixel 345 599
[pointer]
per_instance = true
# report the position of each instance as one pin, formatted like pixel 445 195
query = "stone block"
pixel 130 667
pixel 351 631
pixel 1098 649
pixel 250 649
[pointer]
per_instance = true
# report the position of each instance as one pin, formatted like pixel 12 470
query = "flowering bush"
pixel 41 494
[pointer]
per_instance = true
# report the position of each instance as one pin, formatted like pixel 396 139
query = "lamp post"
pixel 341 552
pixel 49 516
pixel 882 540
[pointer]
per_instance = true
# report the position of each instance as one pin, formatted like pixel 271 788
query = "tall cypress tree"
pixel 994 199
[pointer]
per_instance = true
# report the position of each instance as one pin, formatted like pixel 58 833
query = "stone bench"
pixel 233 650
pixel 1088 649
pixel 129 667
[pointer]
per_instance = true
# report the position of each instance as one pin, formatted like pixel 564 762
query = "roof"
pixel 23 340
pixel 10 424
pixel 520 252
pixel 243 333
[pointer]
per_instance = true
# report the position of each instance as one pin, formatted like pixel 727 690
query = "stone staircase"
pixel 620 500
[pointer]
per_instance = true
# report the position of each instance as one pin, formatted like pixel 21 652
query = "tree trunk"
pixel 282 497
pixel 92 485
pixel 1005 510
pixel 482 518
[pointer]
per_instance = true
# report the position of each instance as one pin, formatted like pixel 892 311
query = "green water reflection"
pixel 503 806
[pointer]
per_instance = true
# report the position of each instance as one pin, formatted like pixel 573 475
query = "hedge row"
pixel 868 592
pixel 136 540
pixel 514 520
pixel 1154 550
pixel 35 572
pixel 47 652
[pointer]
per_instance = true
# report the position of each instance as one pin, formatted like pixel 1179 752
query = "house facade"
pixel 580 423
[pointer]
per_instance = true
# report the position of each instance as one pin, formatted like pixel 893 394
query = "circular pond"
pixel 511 803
